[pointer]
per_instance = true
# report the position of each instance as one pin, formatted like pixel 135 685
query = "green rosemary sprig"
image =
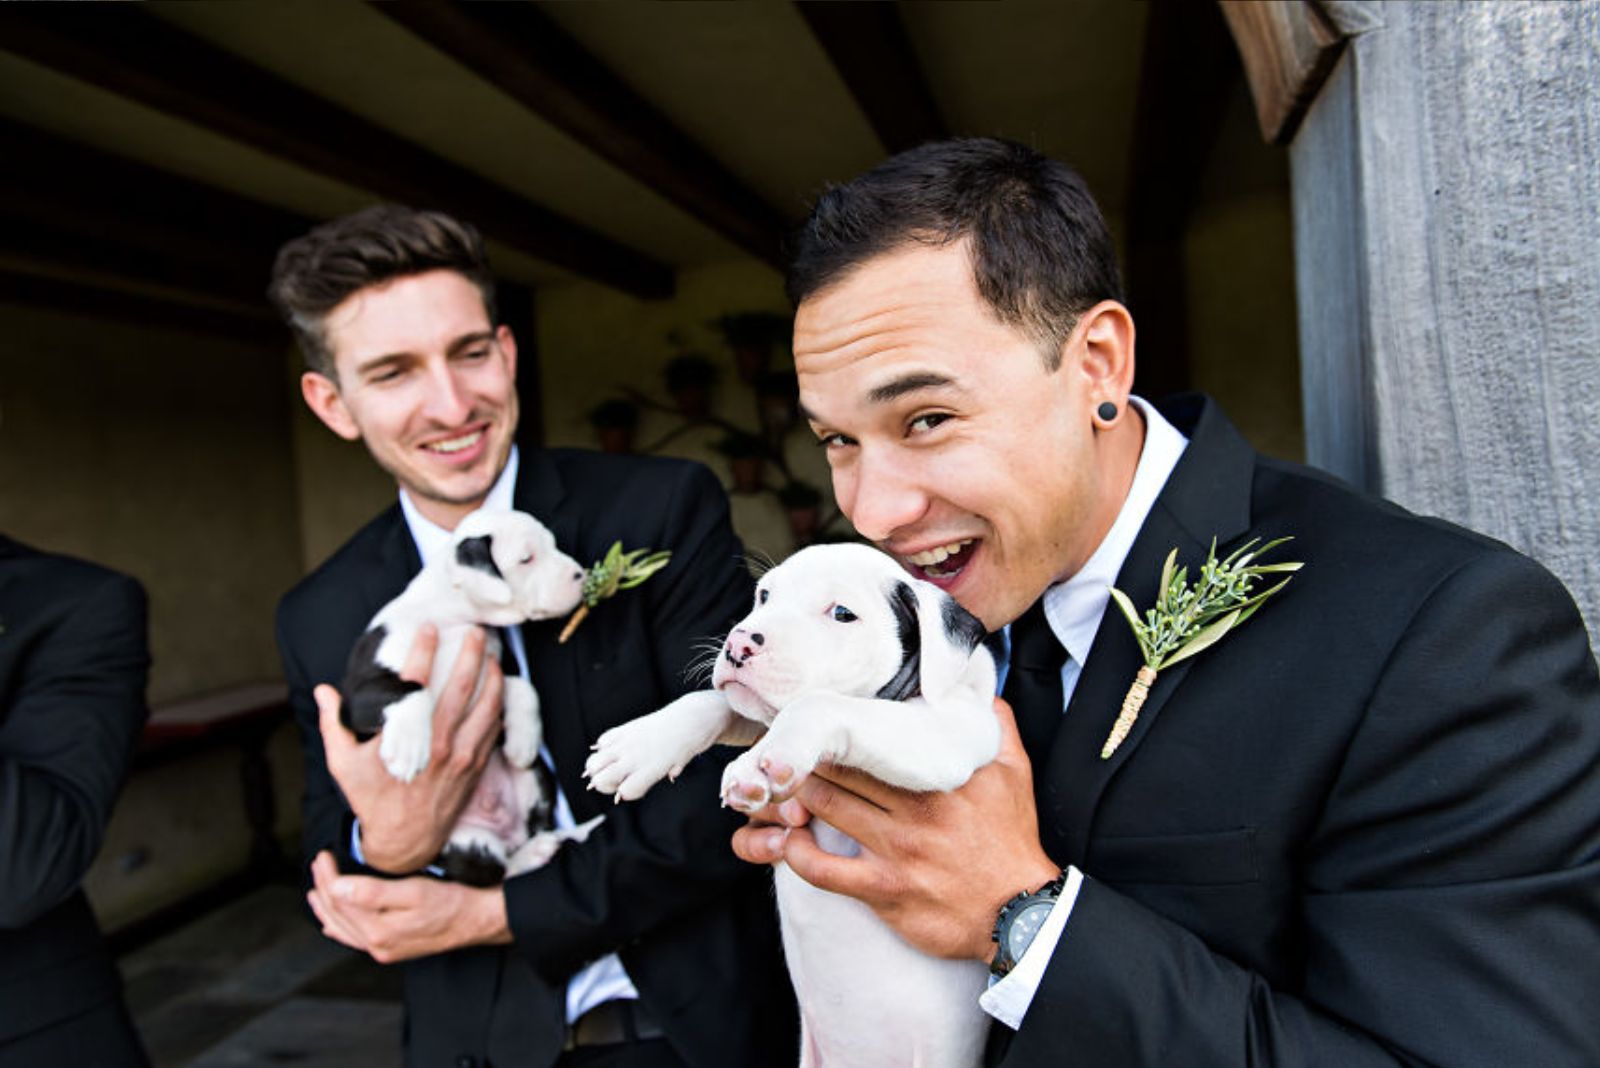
pixel 617 570
pixel 1188 619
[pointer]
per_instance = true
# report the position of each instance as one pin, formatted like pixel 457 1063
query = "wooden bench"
pixel 245 716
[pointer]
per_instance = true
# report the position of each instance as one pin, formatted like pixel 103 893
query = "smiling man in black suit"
pixel 644 945
pixel 1361 829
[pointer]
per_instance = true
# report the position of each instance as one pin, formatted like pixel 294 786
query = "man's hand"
pixel 935 867
pixel 404 825
pixel 398 919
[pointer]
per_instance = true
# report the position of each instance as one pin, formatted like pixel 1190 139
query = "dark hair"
pixel 315 273
pixel 1041 253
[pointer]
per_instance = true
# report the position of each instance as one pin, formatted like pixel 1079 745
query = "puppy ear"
pixel 937 637
pixel 907 681
pixel 949 635
pixel 476 573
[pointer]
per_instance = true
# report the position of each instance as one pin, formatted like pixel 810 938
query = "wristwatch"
pixel 1019 921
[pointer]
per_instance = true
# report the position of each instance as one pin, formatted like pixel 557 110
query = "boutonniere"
pixel 617 570
pixel 1187 619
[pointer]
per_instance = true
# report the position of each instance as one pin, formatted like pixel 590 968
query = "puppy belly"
pixel 867 998
pixel 496 805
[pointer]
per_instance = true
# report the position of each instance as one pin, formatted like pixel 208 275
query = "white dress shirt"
pixel 1073 609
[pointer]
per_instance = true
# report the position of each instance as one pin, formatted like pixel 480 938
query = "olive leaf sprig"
pixel 617 570
pixel 1188 619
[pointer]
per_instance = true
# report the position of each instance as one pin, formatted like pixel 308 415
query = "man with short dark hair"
pixel 1358 829
pixel 647 944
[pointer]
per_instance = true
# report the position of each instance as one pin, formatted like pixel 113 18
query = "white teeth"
pixel 466 441
pixel 939 554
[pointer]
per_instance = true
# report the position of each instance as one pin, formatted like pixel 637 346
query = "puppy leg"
pixel 537 851
pixel 911 744
pixel 631 758
pixel 407 735
pixel 523 726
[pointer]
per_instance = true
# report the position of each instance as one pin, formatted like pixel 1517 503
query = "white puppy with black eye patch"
pixel 844 658
pixel 502 568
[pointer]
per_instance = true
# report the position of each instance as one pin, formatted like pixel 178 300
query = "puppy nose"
pixel 742 645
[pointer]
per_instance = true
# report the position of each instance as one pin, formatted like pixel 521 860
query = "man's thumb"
pixel 333 733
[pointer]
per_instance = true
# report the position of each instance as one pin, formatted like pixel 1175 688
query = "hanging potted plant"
pixel 615 421
pixel 777 403
pixel 802 506
pixel 689 379
pixel 751 336
pixel 747 456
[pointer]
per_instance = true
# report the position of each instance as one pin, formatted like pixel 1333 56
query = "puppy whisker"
pixel 758 563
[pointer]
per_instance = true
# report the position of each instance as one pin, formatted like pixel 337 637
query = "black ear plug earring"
pixel 1107 411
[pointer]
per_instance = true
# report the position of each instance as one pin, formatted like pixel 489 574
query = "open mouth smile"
pixel 456 444
pixel 942 561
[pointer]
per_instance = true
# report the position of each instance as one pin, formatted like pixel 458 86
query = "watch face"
pixel 1026 925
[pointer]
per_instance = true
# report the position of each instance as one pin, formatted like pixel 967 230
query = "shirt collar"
pixel 431 538
pixel 1074 607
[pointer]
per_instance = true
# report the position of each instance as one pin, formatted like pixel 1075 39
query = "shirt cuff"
pixel 1008 998
pixel 355 849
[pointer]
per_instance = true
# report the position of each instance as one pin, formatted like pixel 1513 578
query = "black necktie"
pixel 1033 682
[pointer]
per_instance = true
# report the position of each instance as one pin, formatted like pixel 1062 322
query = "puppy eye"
pixel 841 614
pixel 762 595
pixel 526 559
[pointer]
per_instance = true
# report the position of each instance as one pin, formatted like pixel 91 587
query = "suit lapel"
pixel 556 669
pixel 397 562
pixel 1207 495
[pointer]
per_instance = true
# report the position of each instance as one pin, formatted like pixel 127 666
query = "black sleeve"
pixel 325 816
pixel 74 716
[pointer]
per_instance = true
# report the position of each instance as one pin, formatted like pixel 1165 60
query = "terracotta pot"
pixel 751 361
pixel 694 402
pixel 803 524
pixel 615 439
pixel 747 473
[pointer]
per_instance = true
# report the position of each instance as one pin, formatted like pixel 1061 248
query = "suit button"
pixel 466 1060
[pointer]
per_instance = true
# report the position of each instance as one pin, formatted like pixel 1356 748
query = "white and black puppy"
pixel 502 568
pixel 844 658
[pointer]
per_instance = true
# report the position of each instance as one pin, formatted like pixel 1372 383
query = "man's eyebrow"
pixel 373 362
pixel 468 340
pixel 464 341
pixel 894 388
pixel 910 383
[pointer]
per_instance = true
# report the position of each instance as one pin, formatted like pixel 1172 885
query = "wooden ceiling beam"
pixel 144 309
pixel 135 55
pixel 867 43
pixel 534 61
pixel 83 190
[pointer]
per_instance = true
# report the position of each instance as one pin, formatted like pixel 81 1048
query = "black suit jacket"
pixel 1363 829
pixel 657 881
pixel 73 666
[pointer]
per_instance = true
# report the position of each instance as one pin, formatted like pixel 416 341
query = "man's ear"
pixel 322 396
pixel 508 345
pixel 1100 351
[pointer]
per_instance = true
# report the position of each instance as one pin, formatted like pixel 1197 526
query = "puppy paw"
pixel 522 724
pixel 757 779
pixel 407 736
pixel 629 759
